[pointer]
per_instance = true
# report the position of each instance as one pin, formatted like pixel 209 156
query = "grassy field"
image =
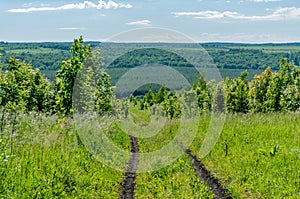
pixel 48 161
pixel 175 181
pixel 257 156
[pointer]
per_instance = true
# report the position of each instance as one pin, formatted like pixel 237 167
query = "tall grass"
pixel 257 155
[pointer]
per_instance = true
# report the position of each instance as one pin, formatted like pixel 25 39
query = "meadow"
pixel 256 156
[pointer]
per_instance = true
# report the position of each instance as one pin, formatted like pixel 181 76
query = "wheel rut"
pixel 127 187
pixel 210 181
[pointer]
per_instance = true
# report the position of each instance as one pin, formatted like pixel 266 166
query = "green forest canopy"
pixel 230 58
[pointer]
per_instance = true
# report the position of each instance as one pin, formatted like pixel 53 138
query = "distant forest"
pixel 230 58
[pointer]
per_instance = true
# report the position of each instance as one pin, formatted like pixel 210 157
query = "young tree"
pixel 66 76
pixel 104 94
pixel 150 98
pixel 133 100
pixel 24 88
pixel 203 94
pixel 258 91
pixel 236 93
pixel 172 106
pixel 290 97
pixel 218 97
pixel 160 95
pixel 280 87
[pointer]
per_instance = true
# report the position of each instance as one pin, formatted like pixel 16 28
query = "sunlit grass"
pixel 246 160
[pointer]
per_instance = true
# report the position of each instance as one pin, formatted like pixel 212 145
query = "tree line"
pixel 23 88
pixel 268 92
pixel 81 86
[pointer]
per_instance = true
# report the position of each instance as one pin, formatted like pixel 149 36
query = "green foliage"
pixel 236 92
pixel 276 91
pixel 133 100
pixel 252 158
pixel 217 97
pixel 290 94
pixel 160 95
pixel 23 88
pixel 149 98
pixel 258 91
pixel 85 87
pixel 167 99
pixel 203 94
pixel 172 106
pixel 104 94
pixel 66 76
pixel 149 56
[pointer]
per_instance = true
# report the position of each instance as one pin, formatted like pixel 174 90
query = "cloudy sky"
pixel 254 21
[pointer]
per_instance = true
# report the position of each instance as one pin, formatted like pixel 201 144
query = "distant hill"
pixel 230 58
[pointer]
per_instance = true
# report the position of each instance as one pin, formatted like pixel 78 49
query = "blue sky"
pixel 254 21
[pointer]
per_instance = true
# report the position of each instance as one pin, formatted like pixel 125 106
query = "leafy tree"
pixel 160 95
pixel 66 76
pixel 133 100
pixel 150 98
pixel 104 94
pixel 276 91
pixel 258 91
pixel 290 97
pixel 218 97
pixel 236 92
pixel 85 86
pixel 203 95
pixel 280 83
pixel 24 88
pixel 171 105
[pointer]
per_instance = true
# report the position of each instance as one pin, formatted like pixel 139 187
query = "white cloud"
pixel 279 14
pixel 75 6
pixel 209 14
pixel 111 4
pixel 142 23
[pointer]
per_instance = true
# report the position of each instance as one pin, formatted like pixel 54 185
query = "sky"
pixel 246 21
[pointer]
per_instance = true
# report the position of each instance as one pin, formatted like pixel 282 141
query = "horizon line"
pixel 197 42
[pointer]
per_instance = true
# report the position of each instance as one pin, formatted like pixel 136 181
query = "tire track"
pixel 127 187
pixel 213 183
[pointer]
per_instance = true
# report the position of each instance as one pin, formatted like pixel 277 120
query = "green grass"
pixel 177 180
pixel 139 117
pixel 252 169
pixel 49 161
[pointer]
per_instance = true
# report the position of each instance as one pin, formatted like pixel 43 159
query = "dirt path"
pixel 128 185
pixel 213 183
